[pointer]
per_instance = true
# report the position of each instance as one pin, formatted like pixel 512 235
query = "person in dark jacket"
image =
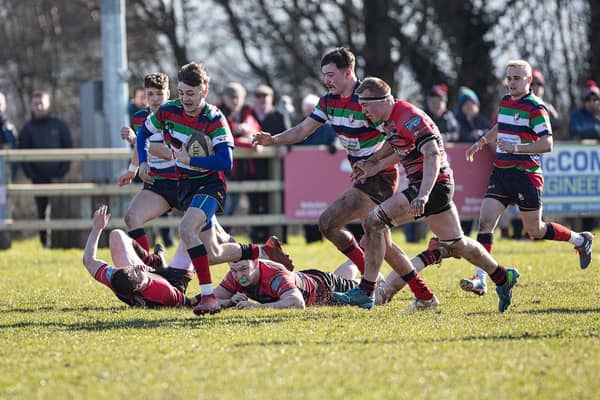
pixel 8 138
pixel 44 131
pixel 436 106
pixel 585 121
pixel 471 123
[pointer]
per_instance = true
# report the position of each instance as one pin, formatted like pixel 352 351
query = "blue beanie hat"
pixel 464 94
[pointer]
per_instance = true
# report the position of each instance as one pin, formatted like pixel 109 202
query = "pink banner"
pixel 315 178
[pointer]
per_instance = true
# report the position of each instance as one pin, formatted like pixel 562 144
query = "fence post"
pixel 5 239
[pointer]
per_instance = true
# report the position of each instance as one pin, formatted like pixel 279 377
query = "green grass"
pixel 64 336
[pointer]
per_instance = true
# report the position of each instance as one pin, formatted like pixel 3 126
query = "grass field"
pixel 64 336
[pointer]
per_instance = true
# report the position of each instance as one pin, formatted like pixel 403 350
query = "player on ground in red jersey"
pixel 131 279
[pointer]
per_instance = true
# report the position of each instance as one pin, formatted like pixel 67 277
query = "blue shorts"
pixel 167 189
pixel 511 186
pixel 211 185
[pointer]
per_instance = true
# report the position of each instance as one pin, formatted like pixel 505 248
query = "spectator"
pixel 44 131
pixel 8 138
pixel 471 123
pixel 585 124
pixel 471 126
pixel 538 88
pixel 138 102
pixel 436 106
pixel 271 121
pixel 585 121
pixel 242 123
pixel 324 135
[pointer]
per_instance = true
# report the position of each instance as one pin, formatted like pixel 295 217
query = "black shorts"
pixel 331 283
pixel 179 278
pixel 511 186
pixel 381 186
pixel 211 186
pixel 166 188
pixel 440 198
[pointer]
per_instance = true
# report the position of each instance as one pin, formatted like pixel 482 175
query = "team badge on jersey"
pixel 412 123
pixel 351 118
pixel 517 116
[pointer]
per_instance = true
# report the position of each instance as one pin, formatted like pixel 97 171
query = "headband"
pixel 374 99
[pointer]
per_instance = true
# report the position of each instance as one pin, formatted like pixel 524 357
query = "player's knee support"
pixel 383 217
pixel 209 207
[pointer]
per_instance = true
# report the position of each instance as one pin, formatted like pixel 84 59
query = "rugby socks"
pixel 429 257
pixel 561 233
pixel 139 235
pixel 367 286
pixel 417 285
pixel 353 251
pixel 151 260
pixel 487 241
pixel 499 276
pixel 249 251
pixel 200 261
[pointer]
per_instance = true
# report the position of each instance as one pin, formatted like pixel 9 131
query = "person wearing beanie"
pixel 436 106
pixel 471 126
pixel 471 123
pixel 584 122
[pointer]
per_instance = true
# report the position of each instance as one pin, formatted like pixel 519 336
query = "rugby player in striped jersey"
pixel 522 132
pixel 340 108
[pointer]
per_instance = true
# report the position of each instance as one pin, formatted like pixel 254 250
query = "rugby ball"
pixel 199 145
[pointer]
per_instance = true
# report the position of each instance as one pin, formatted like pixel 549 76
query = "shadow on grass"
pixel 562 310
pixel 61 309
pixel 149 323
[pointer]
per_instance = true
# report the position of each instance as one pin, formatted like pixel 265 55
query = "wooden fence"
pixel 87 191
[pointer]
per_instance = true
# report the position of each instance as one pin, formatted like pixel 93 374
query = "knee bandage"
pixel 383 217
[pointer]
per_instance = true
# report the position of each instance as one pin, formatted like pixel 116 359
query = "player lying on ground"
pixel 271 285
pixel 131 279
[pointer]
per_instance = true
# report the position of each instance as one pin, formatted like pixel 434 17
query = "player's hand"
pixel 263 138
pixel 507 147
pixel 126 178
pixel 161 150
pixel 144 173
pixel 246 304
pixel 239 297
pixel 363 169
pixel 182 155
pixel 417 206
pixel 101 217
pixel 474 148
pixel 128 135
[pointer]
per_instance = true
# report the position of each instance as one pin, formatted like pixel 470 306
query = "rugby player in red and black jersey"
pixel 522 131
pixel 414 140
pixel 130 278
pixel 271 285
pixel 341 109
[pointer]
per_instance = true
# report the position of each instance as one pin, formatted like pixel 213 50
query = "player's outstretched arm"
pixel 224 297
pixel 99 222
pixel 289 299
pixel 488 137
pixel 295 134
